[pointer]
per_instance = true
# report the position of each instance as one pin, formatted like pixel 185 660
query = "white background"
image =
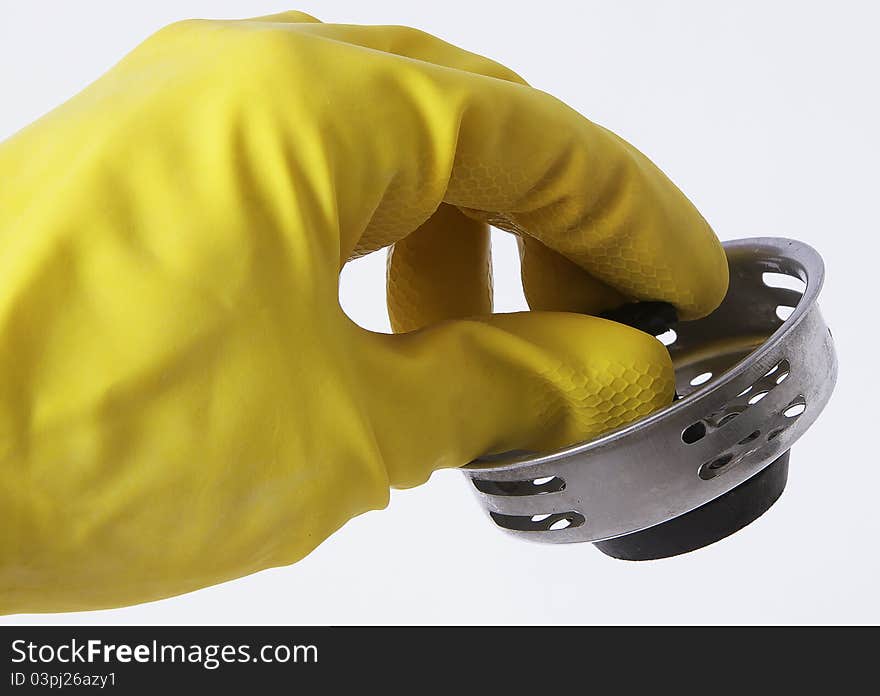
pixel 766 114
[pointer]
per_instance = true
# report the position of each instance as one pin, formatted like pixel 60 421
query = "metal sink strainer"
pixel 751 378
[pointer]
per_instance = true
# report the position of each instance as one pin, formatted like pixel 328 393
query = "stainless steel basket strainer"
pixel 752 377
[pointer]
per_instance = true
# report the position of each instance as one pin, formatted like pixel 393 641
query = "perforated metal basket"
pixel 752 377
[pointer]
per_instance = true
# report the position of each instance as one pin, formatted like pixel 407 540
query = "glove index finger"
pixel 528 163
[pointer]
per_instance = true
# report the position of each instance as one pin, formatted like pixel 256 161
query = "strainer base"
pixel 708 523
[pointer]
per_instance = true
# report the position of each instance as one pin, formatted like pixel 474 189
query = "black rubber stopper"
pixel 651 317
pixel 708 523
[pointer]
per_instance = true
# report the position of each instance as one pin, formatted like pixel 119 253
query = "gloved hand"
pixel 182 400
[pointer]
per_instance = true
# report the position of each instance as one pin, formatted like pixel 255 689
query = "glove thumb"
pixel 444 395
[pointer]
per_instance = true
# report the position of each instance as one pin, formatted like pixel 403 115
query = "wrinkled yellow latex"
pixel 182 401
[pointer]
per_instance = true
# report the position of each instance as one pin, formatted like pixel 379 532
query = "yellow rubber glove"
pixel 182 400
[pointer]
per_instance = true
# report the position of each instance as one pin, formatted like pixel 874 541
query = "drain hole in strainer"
pixel 716 466
pixel 538 486
pixel 539 523
pixel 726 418
pixel 693 433
pixel 667 338
pixel 701 379
pixel 774 434
pixel 784 311
pixel 784 281
pixel 750 437
pixel 757 397
pixel 795 408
